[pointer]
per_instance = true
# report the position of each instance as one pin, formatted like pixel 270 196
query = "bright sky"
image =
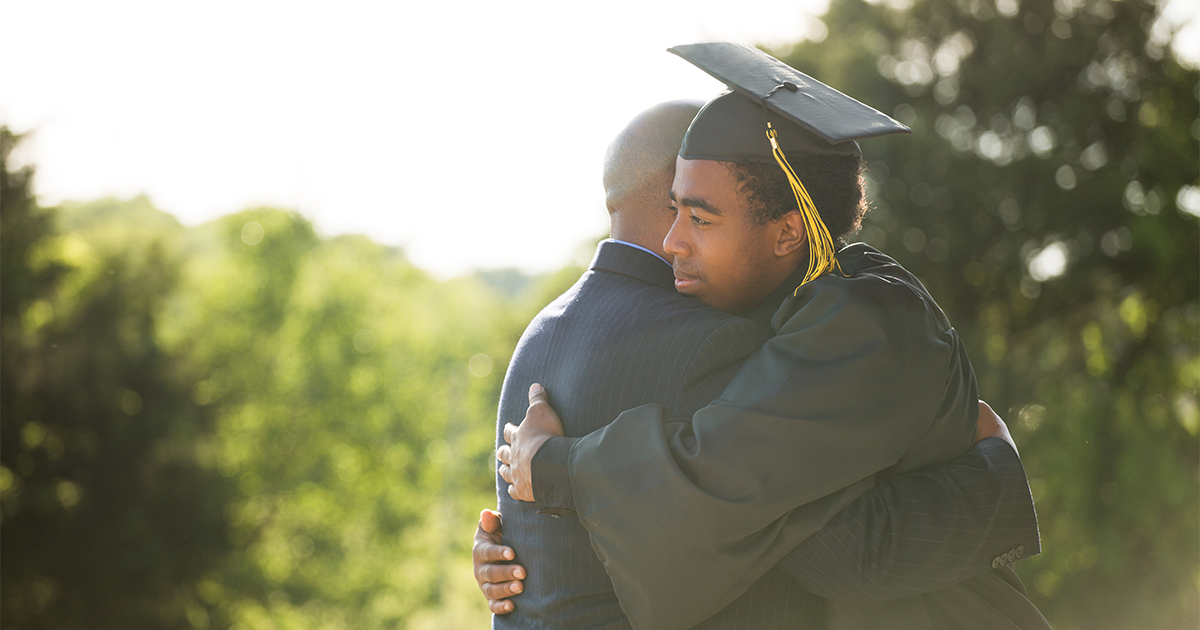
pixel 471 132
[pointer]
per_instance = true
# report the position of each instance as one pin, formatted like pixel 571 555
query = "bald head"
pixel 638 169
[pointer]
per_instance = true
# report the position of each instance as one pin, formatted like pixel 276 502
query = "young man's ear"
pixel 792 235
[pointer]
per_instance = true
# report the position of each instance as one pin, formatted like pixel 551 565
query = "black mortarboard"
pixel 809 117
pixel 774 111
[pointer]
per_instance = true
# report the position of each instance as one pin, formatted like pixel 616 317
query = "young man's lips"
pixel 682 285
pixel 683 282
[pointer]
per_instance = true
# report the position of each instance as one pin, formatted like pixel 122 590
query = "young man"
pixel 864 375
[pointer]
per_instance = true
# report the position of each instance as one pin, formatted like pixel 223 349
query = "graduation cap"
pixel 773 111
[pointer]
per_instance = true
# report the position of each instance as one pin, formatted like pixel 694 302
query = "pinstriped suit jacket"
pixel 622 312
pixel 622 337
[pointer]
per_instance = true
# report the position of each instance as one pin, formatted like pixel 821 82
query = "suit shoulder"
pixel 625 313
pixel 655 302
pixel 737 330
pixel 710 326
pixel 730 343
pixel 543 323
pixel 716 359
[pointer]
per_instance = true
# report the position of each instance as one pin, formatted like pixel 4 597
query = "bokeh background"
pixel 254 420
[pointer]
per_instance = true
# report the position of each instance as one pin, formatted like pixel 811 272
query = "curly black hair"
pixel 835 184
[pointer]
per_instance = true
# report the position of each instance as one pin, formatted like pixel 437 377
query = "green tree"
pixel 355 398
pixel 240 423
pixel 1046 197
pixel 109 520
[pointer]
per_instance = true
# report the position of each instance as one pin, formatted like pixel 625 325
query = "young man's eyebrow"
pixel 696 203
pixel 702 204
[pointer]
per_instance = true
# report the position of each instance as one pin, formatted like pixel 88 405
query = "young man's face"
pixel 723 257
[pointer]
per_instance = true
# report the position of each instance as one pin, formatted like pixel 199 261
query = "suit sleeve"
pixel 922 531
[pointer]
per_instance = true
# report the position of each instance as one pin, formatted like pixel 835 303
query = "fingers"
pixel 500 574
pixel 540 419
pixel 506 473
pixel 504 454
pixel 497 581
pixel 991 425
pixel 489 521
pixel 510 432
pixel 986 425
pixel 501 590
pixel 986 412
pixel 487 548
pixel 518 494
pixel 537 394
pixel 486 551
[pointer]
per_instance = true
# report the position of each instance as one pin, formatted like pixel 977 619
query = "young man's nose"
pixel 675 243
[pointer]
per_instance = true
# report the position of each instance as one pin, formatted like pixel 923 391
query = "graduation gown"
pixel 864 375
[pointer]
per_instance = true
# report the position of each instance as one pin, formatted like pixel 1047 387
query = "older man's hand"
pixel 990 425
pixel 497 579
pixel 516 457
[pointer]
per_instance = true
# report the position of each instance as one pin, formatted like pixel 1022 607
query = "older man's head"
pixel 638 169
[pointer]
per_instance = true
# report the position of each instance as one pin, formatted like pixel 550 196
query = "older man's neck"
pixel 637 233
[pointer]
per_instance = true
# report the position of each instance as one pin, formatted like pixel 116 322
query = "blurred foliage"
pixel 357 404
pixel 246 425
pixel 108 517
pixel 240 424
pixel 1048 198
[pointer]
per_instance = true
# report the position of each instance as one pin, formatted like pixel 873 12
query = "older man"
pixel 622 337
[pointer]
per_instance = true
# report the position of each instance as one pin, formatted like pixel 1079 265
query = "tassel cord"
pixel 821 256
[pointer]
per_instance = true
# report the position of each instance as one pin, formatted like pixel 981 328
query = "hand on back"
pixel 990 425
pixel 516 458
pixel 497 579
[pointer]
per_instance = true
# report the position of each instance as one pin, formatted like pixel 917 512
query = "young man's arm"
pixel 851 386
pixel 928 529
pixel 910 534
pixel 923 531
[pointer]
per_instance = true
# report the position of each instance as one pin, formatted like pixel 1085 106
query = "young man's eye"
pixel 672 209
pixel 698 221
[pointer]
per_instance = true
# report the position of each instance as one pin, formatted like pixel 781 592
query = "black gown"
pixel 864 375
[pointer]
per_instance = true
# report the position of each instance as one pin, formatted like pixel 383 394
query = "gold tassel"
pixel 821 257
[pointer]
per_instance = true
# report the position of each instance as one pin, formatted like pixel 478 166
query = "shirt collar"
pixel 635 246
